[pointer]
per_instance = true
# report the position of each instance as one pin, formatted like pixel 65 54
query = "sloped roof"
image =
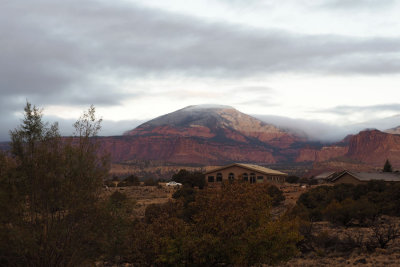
pixel 324 175
pixel 250 167
pixel 372 176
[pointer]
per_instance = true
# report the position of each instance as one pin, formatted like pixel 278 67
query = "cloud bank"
pixel 67 53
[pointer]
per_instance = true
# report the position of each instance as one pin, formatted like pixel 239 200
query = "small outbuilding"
pixel 244 172
pixel 347 177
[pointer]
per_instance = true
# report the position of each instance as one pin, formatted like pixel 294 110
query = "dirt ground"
pixel 144 195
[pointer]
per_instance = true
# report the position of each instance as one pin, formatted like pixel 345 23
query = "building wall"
pixel 238 173
pixel 348 179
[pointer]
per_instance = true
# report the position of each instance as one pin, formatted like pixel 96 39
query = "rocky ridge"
pixel 206 135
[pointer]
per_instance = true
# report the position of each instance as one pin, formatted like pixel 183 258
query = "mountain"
pixel 215 135
pixel 220 123
pixel 212 135
pixel 365 151
pixel 374 147
pixel 395 130
pixel 204 135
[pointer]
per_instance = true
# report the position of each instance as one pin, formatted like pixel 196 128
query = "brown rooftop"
pixel 252 167
pixel 372 176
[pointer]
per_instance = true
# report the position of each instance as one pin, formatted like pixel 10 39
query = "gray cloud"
pixel 313 130
pixel 63 52
pixel 359 4
pixel 48 46
pixel 324 132
pixel 108 127
pixel 344 110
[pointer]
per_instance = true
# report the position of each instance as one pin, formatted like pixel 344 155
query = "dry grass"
pixel 144 195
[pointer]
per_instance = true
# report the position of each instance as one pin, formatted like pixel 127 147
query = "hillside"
pixel 204 135
pixel 221 123
pixel 214 135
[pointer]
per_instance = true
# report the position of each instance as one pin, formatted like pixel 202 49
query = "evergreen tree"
pixel 51 213
pixel 387 167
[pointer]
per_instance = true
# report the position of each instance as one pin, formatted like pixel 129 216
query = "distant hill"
pixel 207 135
pixel 395 130
pixel 222 123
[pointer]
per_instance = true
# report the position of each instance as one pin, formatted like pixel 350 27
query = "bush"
pixel 192 179
pixel 345 203
pixel 150 182
pixel 109 183
pixel 276 194
pixel 131 180
pixel 292 179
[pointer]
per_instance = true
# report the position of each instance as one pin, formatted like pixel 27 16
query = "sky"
pixel 323 66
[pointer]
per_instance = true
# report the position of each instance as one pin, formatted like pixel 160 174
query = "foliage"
pixel 192 179
pixel 308 181
pixel 186 194
pixel 346 204
pixel 131 180
pixel 276 195
pixel 51 214
pixel 387 167
pixel 150 182
pixel 230 226
pixel 292 179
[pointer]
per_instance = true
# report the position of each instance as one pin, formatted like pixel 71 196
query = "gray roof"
pixel 370 176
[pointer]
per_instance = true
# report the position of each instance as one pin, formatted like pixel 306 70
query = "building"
pixel 324 177
pixel 347 177
pixel 244 172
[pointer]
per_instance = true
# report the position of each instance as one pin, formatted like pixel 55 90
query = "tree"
pixel 53 183
pixel 292 179
pixel 387 167
pixel 192 179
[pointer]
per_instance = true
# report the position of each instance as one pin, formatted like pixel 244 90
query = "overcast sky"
pixel 331 63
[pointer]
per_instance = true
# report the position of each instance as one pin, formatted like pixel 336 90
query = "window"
pixel 260 179
pixel 245 177
pixel 252 178
pixel 231 177
pixel 219 177
pixel 210 179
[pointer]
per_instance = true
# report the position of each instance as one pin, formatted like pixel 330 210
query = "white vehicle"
pixel 174 184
